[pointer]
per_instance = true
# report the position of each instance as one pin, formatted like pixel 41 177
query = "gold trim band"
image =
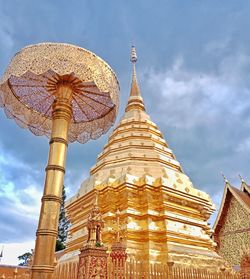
pixel 46 232
pixel 52 198
pixel 57 139
pixel 55 167
pixel 44 268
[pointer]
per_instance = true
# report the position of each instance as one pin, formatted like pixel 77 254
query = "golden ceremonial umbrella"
pixel 68 94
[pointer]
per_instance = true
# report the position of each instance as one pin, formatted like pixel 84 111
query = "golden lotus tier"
pixel 163 217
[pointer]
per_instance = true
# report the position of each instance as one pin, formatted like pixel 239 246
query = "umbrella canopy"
pixel 28 87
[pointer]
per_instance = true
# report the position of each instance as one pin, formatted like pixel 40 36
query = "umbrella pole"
pixel 43 263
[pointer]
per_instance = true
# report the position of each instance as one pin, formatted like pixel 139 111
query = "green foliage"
pixel 24 258
pixel 63 225
pixel 98 244
pixel 59 245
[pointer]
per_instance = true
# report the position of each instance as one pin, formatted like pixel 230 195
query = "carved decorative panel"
pixel 234 236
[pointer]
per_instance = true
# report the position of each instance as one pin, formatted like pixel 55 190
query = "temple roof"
pixel 137 148
pixel 242 195
pixel 244 186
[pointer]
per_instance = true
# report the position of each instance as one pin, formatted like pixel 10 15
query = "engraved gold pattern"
pixel 234 237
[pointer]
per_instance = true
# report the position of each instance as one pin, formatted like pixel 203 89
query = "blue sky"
pixel 193 69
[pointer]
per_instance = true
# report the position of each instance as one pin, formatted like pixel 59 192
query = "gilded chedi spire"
pixel 159 207
pixel 136 148
pixel 135 90
pixel 135 100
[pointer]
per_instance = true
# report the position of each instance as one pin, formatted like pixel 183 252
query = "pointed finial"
pixel 241 179
pixel 224 177
pixel 133 55
pixel 133 59
pixel 135 99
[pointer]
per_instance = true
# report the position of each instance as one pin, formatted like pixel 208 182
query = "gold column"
pixel 43 264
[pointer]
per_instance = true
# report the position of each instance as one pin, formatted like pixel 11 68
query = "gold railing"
pixel 139 270
pixel 14 274
pixel 67 270
pixel 136 270
pixel 195 273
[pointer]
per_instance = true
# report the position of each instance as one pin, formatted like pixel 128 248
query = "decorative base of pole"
pixel 93 263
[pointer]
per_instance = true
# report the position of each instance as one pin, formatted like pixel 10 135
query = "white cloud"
pixel 27 210
pixel 198 97
pixel 11 251
pixel 24 198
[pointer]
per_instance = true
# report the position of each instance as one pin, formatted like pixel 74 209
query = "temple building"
pixel 162 216
pixel 232 226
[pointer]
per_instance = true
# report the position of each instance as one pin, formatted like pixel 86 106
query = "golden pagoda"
pixel 162 217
